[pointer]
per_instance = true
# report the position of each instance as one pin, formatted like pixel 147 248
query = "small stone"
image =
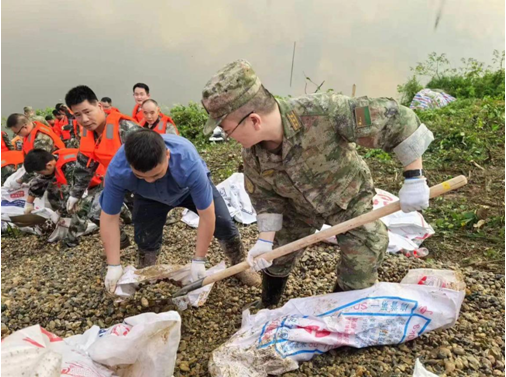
pixel 404 348
pixel 449 366
pixel 444 353
pixel 473 362
pixel 458 364
pixel 459 351
pixel 144 302
pixel 184 366
pixel 496 352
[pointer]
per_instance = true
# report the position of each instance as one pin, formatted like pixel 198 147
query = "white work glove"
pixel 15 185
pixel 197 270
pixel 28 208
pixel 71 202
pixel 114 273
pixel 261 247
pixel 414 195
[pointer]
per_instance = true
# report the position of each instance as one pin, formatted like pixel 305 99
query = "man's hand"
pixel 261 247
pixel 71 203
pixel 28 208
pixel 414 195
pixel 197 270
pixel 114 272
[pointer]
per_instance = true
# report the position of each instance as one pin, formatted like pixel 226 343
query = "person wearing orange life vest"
pixel 155 120
pixel 70 128
pixel 102 136
pixel 11 159
pixel 141 93
pixel 55 172
pixel 107 105
pixel 35 136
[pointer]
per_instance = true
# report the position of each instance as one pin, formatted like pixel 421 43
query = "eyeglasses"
pixel 227 134
pixel 21 129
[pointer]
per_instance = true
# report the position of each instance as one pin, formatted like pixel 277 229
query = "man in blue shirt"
pixel 164 172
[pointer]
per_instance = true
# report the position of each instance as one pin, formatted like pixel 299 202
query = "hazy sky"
pixel 176 46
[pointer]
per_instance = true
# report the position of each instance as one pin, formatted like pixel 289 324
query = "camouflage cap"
pixel 229 89
pixel 27 108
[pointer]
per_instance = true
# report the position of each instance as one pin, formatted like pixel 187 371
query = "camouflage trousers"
pixel 361 249
pixel 71 143
pixel 87 209
pixel 7 171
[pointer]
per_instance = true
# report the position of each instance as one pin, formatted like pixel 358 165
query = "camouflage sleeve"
pixel 42 141
pixel 38 185
pixel 380 123
pixel 268 205
pixel 83 173
pixel 8 142
pixel 126 127
pixel 170 129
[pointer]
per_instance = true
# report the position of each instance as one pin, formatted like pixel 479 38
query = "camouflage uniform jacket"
pixel 7 141
pixel 57 196
pixel 40 119
pixel 318 170
pixel 85 167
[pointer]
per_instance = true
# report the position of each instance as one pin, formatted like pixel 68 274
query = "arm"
pixel 126 127
pixel 110 235
pixel 84 171
pixel 205 230
pixel 8 142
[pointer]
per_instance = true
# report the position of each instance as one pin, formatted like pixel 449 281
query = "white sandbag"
pixel 420 370
pixel 237 200
pixel 13 203
pixel 275 341
pixel 132 277
pixel 406 231
pixel 33 351
pixel 143 345
pixel 14 177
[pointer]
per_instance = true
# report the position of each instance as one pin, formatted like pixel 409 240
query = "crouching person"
pixel 55 174
pixel 164 172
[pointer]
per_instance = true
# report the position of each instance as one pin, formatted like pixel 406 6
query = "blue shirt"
pixel 187 175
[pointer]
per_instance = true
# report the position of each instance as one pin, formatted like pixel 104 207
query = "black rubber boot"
pixel 146 258
pixel 272 289
pixel 124 240
pixel 337 288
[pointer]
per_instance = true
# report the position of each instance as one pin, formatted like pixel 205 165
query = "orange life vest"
pixel 112 109
pixel 15 158
pixel 138 114
pixel 5 148
pixel 29 140
pixel 66 155
pixel 103 149
pixel 161 127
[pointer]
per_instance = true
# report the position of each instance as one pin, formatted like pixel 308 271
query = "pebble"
pixel 72 299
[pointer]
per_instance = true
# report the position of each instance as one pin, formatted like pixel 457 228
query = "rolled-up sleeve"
pixel 112 196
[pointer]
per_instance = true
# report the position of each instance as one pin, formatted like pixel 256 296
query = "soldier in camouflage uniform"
pixel 44 164
pixel 30 114
pixel 7 170
pixel 90 115
pixel 63 110
pixel 302 169
pixel 22 126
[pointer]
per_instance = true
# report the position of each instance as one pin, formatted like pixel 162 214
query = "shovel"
pixel 27 220
pixel 356 222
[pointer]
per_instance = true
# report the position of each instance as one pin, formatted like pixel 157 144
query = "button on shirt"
pixel 187 175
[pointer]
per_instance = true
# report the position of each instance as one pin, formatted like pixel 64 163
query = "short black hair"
pixel 142 86
pixel 58 106
pixel 14 119
pixel 48 117
pixel 79 94
pixel 37 159
pixel 106 99
pixel 150 100
pixel 56 112
pixel 145 149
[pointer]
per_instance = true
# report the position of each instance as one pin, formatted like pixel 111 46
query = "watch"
pixel 413 173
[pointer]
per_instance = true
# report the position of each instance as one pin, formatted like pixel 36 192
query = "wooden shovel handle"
pixel 374 215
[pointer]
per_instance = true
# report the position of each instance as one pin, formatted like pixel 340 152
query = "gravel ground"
pixel 63 292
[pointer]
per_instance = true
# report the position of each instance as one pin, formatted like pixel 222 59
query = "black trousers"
pixel 149 217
